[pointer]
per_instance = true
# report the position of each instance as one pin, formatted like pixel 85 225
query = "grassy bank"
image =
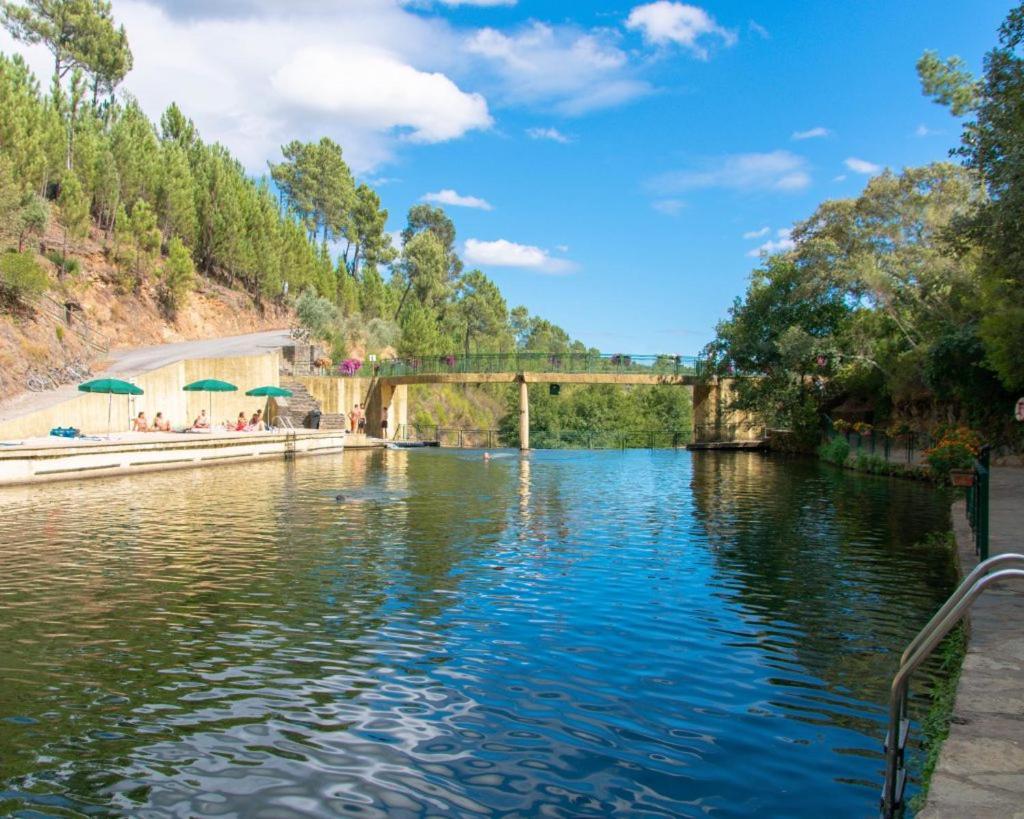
pixel 837 451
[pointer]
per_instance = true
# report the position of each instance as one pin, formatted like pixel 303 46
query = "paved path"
pixel 981 767
pixel 129 363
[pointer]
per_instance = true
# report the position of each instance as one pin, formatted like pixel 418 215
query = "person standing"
pixel 384 423
pixel 352 415
pixel 361 421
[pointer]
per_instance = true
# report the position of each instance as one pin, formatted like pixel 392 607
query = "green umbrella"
pixel 272 392
pixel 110 387
pixel 210 385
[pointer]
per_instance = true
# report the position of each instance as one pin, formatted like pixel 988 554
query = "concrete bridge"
pixel 711 394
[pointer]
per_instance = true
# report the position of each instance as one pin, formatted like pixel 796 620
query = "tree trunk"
pixel 401 304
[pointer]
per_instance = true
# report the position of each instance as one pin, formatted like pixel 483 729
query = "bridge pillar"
pixel 524 414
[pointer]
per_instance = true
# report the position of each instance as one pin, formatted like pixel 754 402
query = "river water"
pixel 568 634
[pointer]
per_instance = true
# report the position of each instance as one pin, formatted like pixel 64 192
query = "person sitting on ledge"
pixel 141 424
pixel 161 424
pixel 201 422
pixel 256 423
pixel 241 423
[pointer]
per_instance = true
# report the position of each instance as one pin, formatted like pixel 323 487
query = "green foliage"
pixel 21 278
pixel 835 450
pixel 316 314
pixel 74 211
pixel 177 277
pixel 146 237
pixel 874 304
pixel 935 725
pixel 956 448
pixel 69 265
pixel 993 146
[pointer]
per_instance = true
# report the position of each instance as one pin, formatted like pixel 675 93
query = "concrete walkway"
pixel 981 767
pixel 127 364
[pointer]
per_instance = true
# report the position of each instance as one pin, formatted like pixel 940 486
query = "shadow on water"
pixel 568 632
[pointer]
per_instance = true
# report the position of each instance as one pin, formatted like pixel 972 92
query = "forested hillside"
pixel 81 162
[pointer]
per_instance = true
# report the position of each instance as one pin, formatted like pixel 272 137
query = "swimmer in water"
pixel 487 456
pixel 339 498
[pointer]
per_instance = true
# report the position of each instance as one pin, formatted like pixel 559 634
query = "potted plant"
pixel 952 458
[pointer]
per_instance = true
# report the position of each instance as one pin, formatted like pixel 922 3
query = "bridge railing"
pixel 523 362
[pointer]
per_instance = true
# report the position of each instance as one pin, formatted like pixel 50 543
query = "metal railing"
pixel 977 503
pixel 907 447
pixel 59 313
pixel 1002 567
pixel 522 362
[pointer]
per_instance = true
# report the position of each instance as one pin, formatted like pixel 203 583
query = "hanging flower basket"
pixel 961 477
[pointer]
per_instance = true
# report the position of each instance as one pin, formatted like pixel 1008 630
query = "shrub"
pixel 316 314
pixel 65 263
pixel 835 451
pixel 21 277
pixel 176 278
pixel 957 448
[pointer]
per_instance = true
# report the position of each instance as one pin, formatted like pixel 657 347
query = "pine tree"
pixel 146 237
pixel 74 213
pixel 176 207
pixel 177 277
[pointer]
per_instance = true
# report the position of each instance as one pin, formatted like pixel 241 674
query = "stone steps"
pixel 301 404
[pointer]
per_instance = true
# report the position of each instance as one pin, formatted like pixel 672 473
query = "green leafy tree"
pixel 993 146
pixel 74 213
pixel 420 334
pixel 368 242
pixel 176 207
pixel 146 237
pixel 482 314
pixel 317 184
pixel 21 278
pixel 423 272
pixel 428 218
pixel 177 277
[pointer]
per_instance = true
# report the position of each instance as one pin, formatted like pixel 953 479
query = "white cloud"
pixel 569 70
pixel 757 234
pixel 862 166
pixel 255 74
pixel 924 131
pixel 503 253
pixel 389 93
pixel 781 244
pixel 477 2
pixel 812 133
pixel 774 171
pixel 840 178
pixel 670 207
pixel 552 134
pixel 450 197
pixel 664 22
pixel 759 30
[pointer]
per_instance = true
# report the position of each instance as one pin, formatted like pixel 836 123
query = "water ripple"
pixel 572 634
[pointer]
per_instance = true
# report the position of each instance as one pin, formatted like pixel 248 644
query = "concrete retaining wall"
pixel 162 393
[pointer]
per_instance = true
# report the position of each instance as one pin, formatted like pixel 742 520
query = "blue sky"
pixel 611 157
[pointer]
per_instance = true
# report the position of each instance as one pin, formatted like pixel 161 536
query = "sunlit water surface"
pixel 572 634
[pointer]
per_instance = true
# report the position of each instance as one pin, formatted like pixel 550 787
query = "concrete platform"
pixel 728 445
pixel 980 773
pixel 36 460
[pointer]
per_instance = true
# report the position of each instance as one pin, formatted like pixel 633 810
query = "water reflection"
pixel 567 633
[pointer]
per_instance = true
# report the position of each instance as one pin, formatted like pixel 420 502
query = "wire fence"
pixel 908 448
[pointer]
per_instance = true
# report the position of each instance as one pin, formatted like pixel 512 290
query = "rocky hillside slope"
pixel 43 343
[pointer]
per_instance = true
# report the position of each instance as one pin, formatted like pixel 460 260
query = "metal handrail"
pixel 987 567
pixel 917 652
